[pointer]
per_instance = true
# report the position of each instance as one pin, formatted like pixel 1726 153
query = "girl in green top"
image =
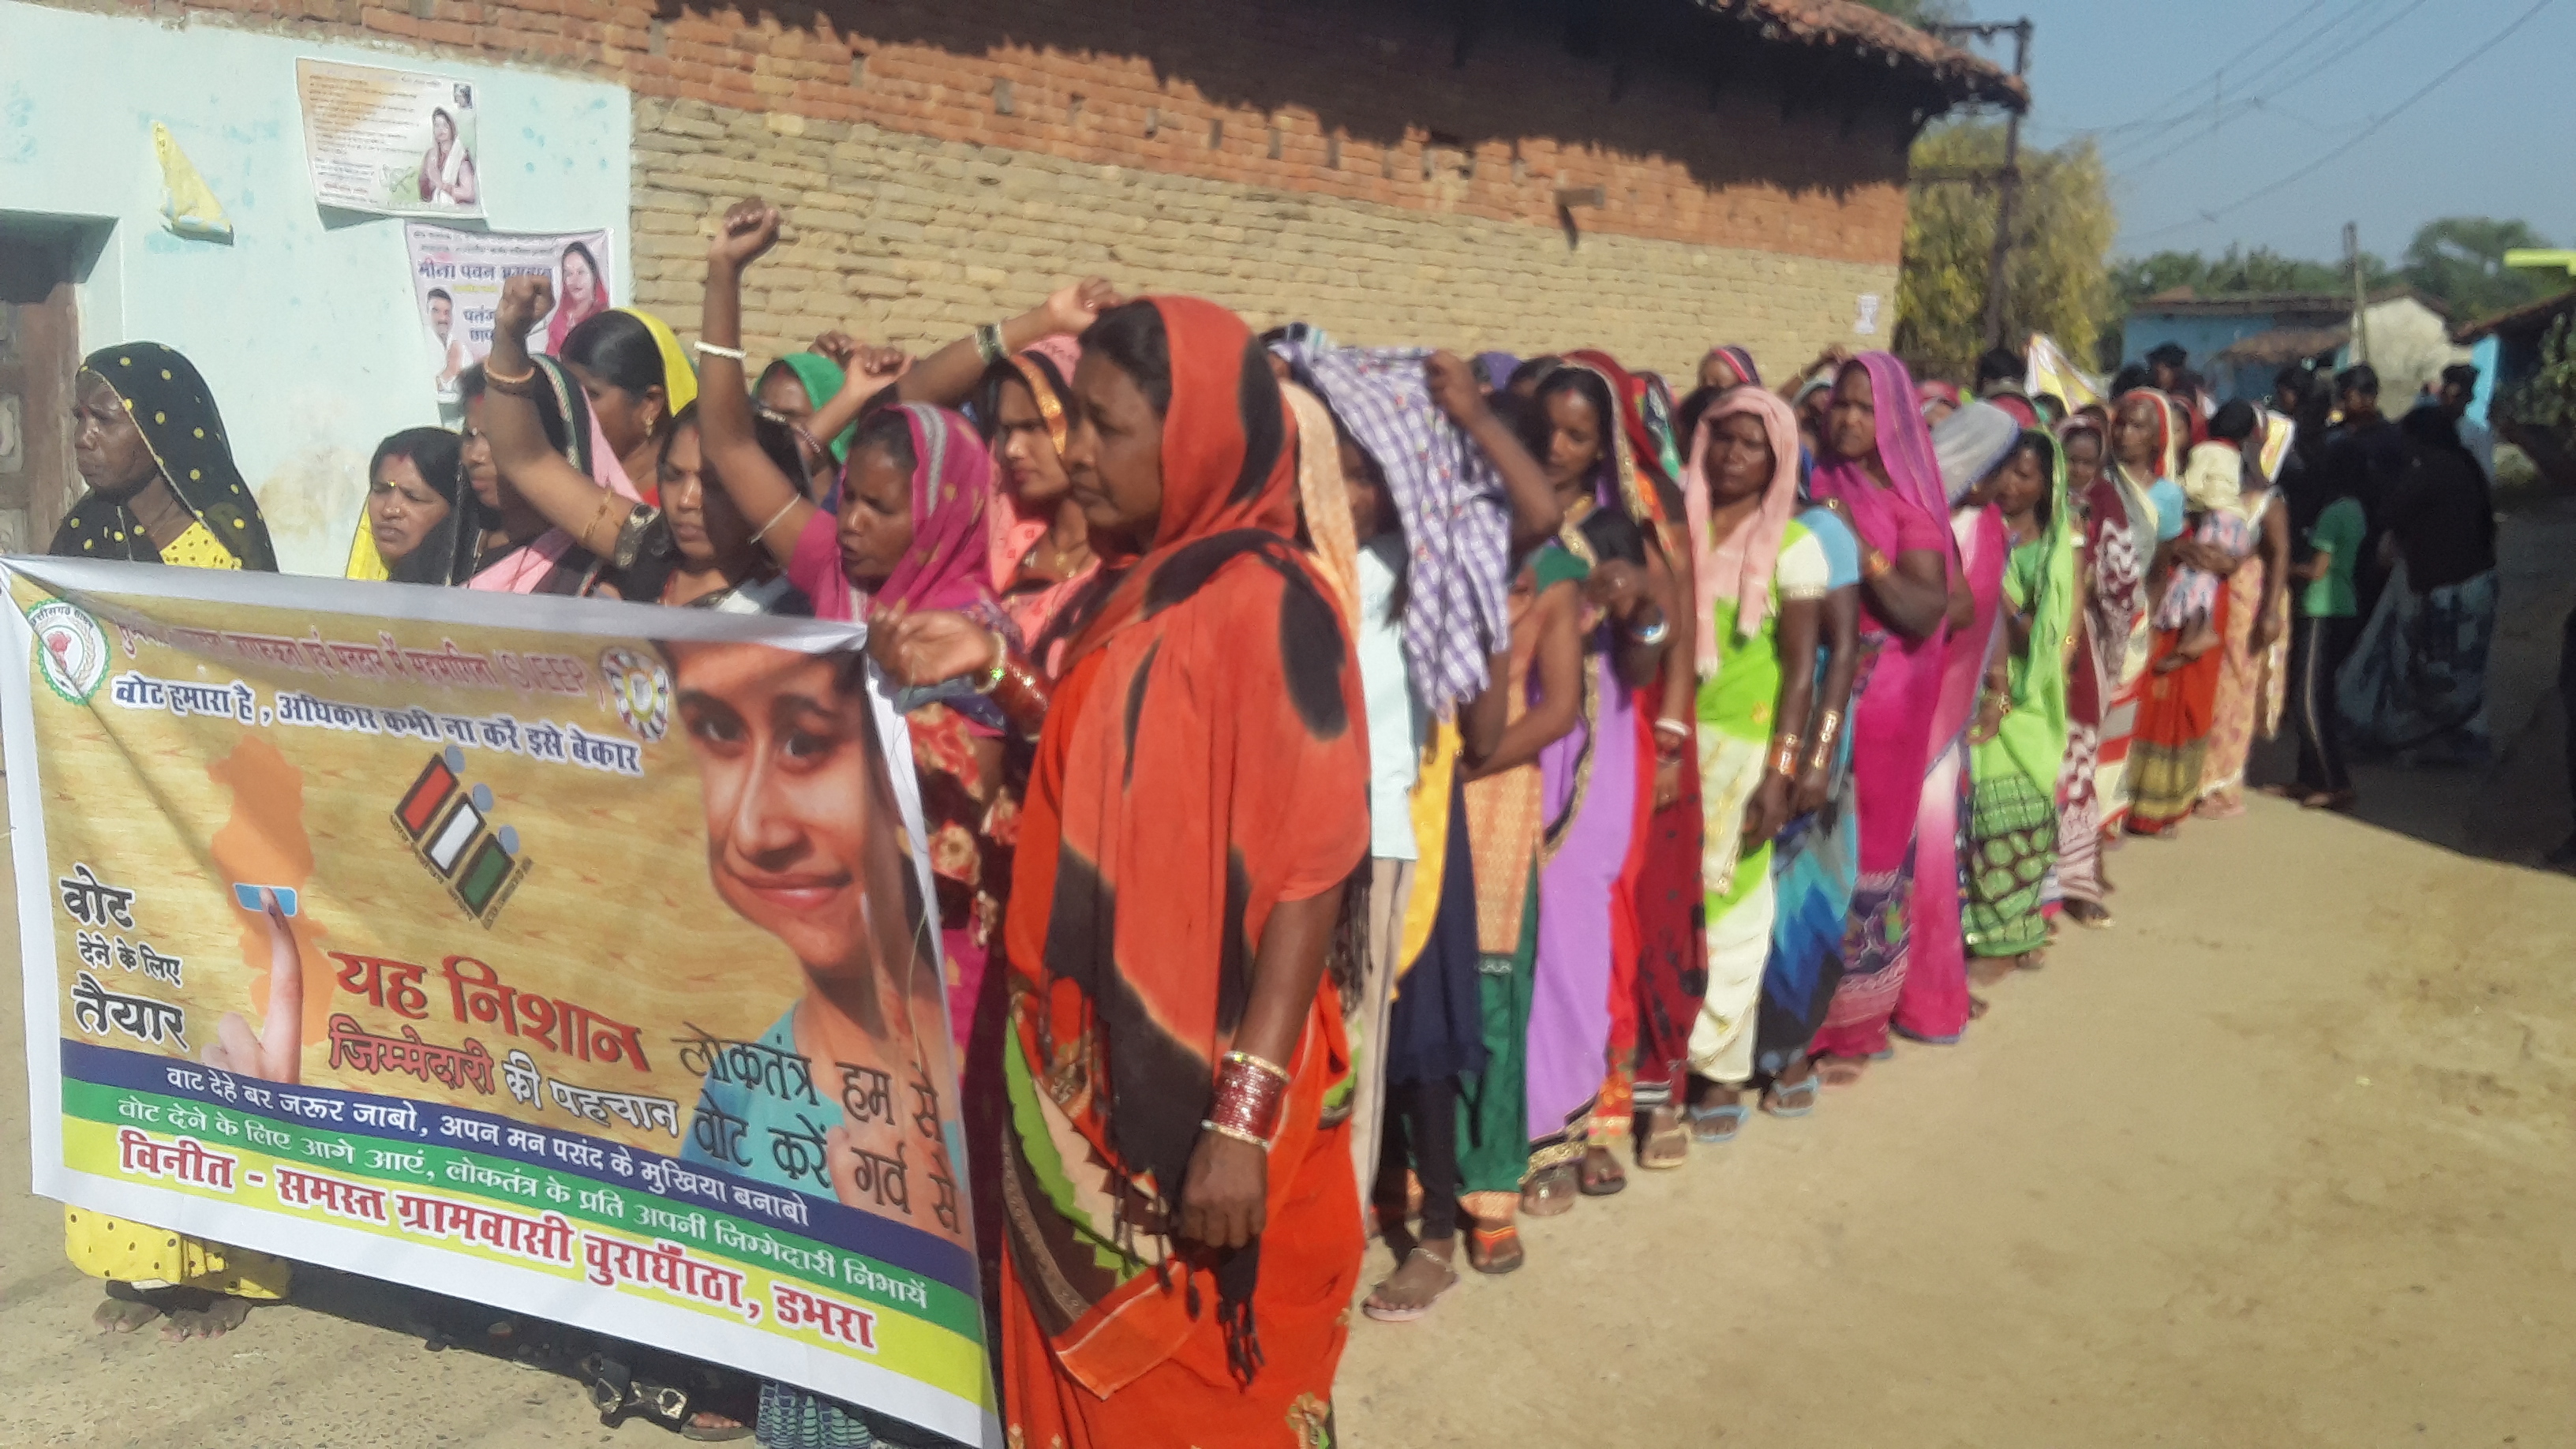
pixel 2019 740
pixel 2321 639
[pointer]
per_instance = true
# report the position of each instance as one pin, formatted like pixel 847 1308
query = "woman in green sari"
pixel 2020 735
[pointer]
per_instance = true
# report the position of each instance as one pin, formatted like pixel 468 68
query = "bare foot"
pixel 708 1427
pixel 123 1312
pixel 1663 1142
pixel 1416 1284
pixel 216 1319
pixel 1987 970
pixel 2092 915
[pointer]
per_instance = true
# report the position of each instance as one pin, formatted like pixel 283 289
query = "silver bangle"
pixel 1653 636
pixel 988 343
pixel 713 350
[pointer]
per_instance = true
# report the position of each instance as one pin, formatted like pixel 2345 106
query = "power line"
pixel 2193 90
pixel 2364 134
pixel 2257 103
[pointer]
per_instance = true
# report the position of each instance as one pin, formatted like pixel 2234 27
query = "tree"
pixel 2057 279
pixel 2460 259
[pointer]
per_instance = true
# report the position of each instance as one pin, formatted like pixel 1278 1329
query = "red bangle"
pixel 1249 1097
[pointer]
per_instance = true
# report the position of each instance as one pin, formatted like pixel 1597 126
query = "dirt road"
pixel 2283 1159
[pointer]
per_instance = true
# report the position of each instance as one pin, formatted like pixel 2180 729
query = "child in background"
pixel 2213 487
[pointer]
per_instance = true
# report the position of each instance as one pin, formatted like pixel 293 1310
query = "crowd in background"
pixel 1378 793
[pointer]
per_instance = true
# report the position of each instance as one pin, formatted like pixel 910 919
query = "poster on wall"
pixel 395 142
pixel 315 884
pixel 456 279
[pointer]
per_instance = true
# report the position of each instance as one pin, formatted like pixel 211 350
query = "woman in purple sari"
pixel 1590 778
pixel 1879 476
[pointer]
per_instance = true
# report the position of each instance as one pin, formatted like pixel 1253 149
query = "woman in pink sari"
pixel 1879 477
pixel 1933 1005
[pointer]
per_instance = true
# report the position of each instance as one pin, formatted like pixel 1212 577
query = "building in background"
pixel 1652 177
pixel 2506 349
pixel 2241 340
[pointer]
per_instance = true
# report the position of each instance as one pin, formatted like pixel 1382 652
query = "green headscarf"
pixel 172 405
pixel 822 378
pixel 2039 581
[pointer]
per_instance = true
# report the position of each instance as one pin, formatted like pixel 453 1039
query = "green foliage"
pixel 2547 399
pixel 2460 259
pixel 2057 280
pixel 2238 272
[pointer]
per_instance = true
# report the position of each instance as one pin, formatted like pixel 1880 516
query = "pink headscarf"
pixel 1017 528
pixel 952 480
pixel 1740 564
pixel 1915 507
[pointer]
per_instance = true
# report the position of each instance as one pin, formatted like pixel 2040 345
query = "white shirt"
pixel 1395 715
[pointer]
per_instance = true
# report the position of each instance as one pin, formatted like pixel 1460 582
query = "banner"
pixel 456 279
pixel 2051 371
pixel 564 955
pixel 390 141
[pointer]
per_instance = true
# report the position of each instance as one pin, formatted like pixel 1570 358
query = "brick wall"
pixel 913 240
pixel 1364 163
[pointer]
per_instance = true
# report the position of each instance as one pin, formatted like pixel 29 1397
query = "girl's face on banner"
pixel 798 836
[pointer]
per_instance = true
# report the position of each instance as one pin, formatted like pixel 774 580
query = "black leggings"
pixel 2567 698
pixel 2318 648
pixel 1422 1133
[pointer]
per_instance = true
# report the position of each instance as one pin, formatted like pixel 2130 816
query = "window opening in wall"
pixel 1002 105
pixel 1216 133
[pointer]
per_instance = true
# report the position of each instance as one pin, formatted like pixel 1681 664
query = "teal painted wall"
pixel 303 324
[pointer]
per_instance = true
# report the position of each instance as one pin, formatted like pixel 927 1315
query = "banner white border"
pixel 456 1274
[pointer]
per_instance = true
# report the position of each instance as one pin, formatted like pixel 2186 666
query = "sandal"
pixel 1731 1114
pixel 1415 1312
pixel 1551 1191
pixel 1843 1071
pixel 1604 1180
pixel 1795 1099
pixel 2091 915
pixel 1663 1147
pixel 1496 1250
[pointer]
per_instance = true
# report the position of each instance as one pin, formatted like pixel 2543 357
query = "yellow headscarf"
pixel 679 379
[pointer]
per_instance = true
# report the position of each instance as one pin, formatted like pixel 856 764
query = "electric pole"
pixel 2007 180
pixel 2360 298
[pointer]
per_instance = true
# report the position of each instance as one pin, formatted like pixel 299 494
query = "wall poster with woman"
pixel 393 142
pixel 456 279
pixel 453 937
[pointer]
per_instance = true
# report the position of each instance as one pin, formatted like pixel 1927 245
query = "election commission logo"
pixel 71 650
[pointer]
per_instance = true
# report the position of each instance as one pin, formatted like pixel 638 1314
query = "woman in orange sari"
pixel 1182 1226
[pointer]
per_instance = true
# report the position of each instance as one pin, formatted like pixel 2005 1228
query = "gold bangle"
pixel 1237 1133
pixel 783 510
pixel 497 378
pixel 1261 1063
pixel 583 537
pixel 1784 756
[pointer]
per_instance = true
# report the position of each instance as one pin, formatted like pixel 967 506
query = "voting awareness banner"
pixel 564 955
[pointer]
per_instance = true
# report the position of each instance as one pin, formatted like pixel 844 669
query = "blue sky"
pixel 2496 139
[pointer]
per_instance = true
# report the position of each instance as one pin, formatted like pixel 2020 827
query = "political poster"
pixel 564 955
pixel 395 142
pixel 456 279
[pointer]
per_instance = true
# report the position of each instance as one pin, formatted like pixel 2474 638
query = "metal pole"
pixel 2360 299
pixel 1997 286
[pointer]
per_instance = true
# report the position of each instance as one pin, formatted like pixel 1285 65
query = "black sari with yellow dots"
pixel 176 412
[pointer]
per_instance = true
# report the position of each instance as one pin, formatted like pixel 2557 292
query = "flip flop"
pixel 1665 1148
pixel 1732 1114
pixel 1482 1244
pixel 1544 1195
pixel 1778 1101
pixel 1610 1186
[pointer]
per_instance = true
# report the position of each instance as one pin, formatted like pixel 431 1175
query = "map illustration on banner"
pixel 571 957
pixel 390 141
pixel 456 279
